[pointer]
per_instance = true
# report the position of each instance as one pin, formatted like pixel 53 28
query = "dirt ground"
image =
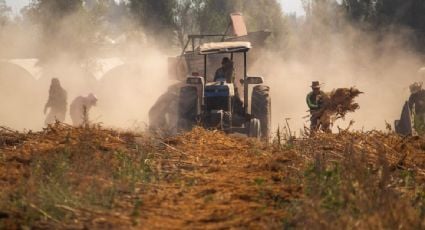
pixel 94 178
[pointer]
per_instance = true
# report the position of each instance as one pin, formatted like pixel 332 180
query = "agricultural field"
pixel 96 178
pixel 212 114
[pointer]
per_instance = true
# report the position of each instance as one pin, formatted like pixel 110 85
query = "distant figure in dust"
pixel 80 108
pixel 57 103
pixel 417 106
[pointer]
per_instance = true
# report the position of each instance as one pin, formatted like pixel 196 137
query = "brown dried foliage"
pixel 341 101
pixel 338 103
pixel 208 180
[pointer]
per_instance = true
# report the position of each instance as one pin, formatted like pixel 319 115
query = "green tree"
pixel 67 29
pixel 156 18
pixel 172 20
pixel 388 12
pixel 214 15
pixel 383 14
pixel 360 10
pixel 187 18
pixel 4 13
pixel 267 15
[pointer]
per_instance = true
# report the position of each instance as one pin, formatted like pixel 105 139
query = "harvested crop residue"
pixel 220 182
pixel 93 178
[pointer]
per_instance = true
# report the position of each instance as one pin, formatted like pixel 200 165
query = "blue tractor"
pixel 216 104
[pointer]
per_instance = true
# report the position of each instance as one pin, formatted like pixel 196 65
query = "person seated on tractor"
pixel 226 72
pixel 417 106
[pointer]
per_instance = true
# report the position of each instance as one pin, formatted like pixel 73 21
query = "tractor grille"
pixel 217 103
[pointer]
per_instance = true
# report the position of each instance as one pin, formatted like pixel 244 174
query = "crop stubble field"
pixel 95 178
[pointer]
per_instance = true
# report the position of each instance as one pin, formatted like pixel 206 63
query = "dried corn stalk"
pixel 338 103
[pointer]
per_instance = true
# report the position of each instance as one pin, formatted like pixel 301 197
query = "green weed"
pixel 325 184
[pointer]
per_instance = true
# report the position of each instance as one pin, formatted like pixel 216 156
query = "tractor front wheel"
pixel 261 108
pixel 254 128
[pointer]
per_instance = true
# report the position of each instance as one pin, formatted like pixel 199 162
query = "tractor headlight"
pixel 194 80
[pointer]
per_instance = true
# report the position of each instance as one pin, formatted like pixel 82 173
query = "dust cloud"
pixel 127 75
pixel 125 92
pixel 382 67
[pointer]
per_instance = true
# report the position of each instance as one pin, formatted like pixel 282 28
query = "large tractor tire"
pixel 163 114
pixel 254 130
pixel 261 108
pixel 188 108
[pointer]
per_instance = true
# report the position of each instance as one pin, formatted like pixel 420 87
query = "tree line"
pixel 168 22
pixel 377 16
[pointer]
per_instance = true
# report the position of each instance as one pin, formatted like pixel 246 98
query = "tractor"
pixel 216 104
pixel 163 115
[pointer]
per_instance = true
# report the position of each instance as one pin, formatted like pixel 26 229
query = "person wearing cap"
pixel 80 107
pixel 57 103
pixel 225 72
pixel 417 106
pixel 315 102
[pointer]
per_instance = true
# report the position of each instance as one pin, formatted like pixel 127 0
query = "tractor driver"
pixel 226 71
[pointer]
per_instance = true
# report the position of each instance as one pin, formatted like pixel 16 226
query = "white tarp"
pixel 223 47
pixel 30 65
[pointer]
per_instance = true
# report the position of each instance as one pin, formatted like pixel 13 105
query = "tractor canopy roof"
pixel 224 47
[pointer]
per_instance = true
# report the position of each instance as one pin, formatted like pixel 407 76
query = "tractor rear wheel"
pixel 187 108
pixel 261 108
pixel 163 114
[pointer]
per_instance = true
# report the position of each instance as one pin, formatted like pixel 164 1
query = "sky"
pixel 17 4
pixel 292 6
pixel 288 6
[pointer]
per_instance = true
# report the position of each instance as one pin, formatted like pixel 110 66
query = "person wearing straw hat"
pixel 315 101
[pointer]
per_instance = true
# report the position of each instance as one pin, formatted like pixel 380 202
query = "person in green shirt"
pixel 315 104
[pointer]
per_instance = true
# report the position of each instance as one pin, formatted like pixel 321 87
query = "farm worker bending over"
pixel 226 71
pixel 57 103
pixel 80 108
pixel 318 117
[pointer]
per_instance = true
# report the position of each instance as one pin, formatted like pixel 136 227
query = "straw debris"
pixel 338 103
pixel 90 178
